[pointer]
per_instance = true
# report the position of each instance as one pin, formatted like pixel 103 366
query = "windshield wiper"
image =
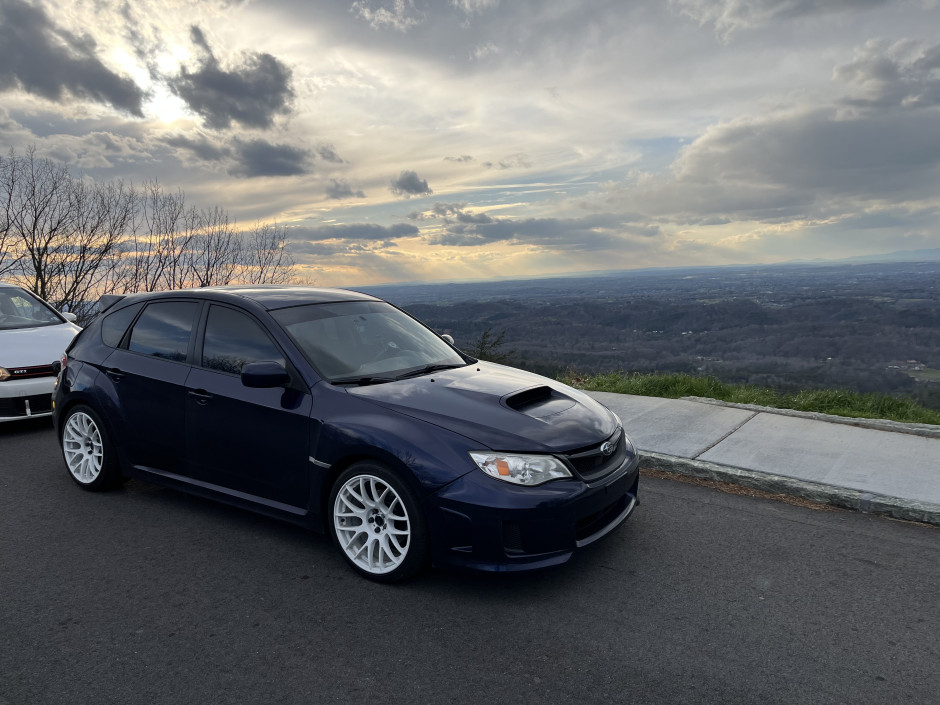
pixel 362 381
pixel 430 368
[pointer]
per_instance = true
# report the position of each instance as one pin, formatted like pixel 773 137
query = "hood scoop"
pixel 538 402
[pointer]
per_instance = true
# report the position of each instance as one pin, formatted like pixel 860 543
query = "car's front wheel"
pixel 88 452
pixel 377 523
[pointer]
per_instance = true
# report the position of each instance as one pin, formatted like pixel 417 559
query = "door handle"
pixel 200 395
pixel 114 374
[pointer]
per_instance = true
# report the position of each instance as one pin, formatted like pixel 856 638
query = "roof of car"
pixel 269 296
pixel 273 296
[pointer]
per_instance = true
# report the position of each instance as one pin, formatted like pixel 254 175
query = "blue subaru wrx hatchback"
pixel 337 411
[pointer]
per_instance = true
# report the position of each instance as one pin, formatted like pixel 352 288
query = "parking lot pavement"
pixel 878 467
pixel 147 596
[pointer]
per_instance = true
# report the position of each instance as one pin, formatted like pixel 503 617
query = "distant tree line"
pixel 70 239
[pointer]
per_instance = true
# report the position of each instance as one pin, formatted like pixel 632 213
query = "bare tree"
pixel 214 251
pixel 40 213
pixel 9 256
pixel 70 239
pixel 60 236
pixel 85 267
pixel 265 257
pixel 155 245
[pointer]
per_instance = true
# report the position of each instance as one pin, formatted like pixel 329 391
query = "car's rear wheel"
pixel 377 523
pixel 88 452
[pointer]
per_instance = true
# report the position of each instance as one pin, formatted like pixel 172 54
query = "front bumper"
pixel 482 523
pixel 26 398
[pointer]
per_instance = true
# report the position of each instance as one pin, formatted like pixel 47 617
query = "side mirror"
pixel 264 374
pixel 447 338
pixel 70 317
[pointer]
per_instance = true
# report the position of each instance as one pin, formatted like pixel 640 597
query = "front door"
pixel 246 441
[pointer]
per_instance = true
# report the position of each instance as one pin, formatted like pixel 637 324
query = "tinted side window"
pixel 115 324
pixel 164 328
pixel 233 339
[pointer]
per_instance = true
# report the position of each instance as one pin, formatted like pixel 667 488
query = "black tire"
pixel 89 455
pixel 375 521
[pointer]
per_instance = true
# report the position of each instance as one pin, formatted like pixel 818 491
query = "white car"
pixel 33 337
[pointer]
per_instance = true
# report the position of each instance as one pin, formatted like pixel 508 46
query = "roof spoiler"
pixel 107 301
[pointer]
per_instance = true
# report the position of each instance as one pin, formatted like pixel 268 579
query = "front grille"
pixel 50 370
pixel 591 463
pixel 16 406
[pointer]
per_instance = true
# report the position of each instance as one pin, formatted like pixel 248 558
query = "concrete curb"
pixel 915 429
pixel 866 502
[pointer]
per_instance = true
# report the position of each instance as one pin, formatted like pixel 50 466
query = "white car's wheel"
pixel 87 451
pixel 376 522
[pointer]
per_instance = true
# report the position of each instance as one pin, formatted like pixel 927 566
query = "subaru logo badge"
pixel 608 448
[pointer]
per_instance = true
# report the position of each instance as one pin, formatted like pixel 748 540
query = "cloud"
pixel 728 16
pixel 438 210
pixel 472 6
pixel 353 231
pixel 446 211
pixel 260 158
pixel 92 151
pixel 400 15
pixel 328 153
pixel 811 165
pixel 463 158
pixel 476 218
pixel 200 147
pixel 904 74
pixel 49 61
pixel 520 160
pixel 342 247
pixel 452 212
pixel 408 184
pixel 244 158
pixel 252 94
pixel 481 51
pixel 340 189
pixel 590 233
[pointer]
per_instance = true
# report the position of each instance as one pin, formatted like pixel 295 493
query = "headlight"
pixel 4 374
pixel 521 469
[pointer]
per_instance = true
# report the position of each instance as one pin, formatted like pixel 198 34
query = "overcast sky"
pixel 407 140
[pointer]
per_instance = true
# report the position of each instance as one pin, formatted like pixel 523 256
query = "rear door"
pixel 248 441
pixel 148 375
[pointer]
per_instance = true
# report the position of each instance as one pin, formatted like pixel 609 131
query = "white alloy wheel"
pixel 83 447
pixel 87 450
pixel 372 524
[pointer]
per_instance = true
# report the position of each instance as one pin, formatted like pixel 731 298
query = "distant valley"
pixel 869 327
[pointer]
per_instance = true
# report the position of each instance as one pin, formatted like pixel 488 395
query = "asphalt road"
pixel 145 595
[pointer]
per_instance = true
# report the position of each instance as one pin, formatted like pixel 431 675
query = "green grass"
pixel 826 401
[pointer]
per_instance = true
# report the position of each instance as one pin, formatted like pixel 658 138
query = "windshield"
pixel 19 309
pixel 364 339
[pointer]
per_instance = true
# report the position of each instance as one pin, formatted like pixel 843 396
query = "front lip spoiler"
pixel 611 526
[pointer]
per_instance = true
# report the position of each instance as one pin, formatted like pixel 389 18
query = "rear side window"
pixel 234 339
pixel 164 329
pixel 114 325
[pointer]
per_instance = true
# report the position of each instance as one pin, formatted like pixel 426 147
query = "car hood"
pixel 29 347
pixel 499 407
